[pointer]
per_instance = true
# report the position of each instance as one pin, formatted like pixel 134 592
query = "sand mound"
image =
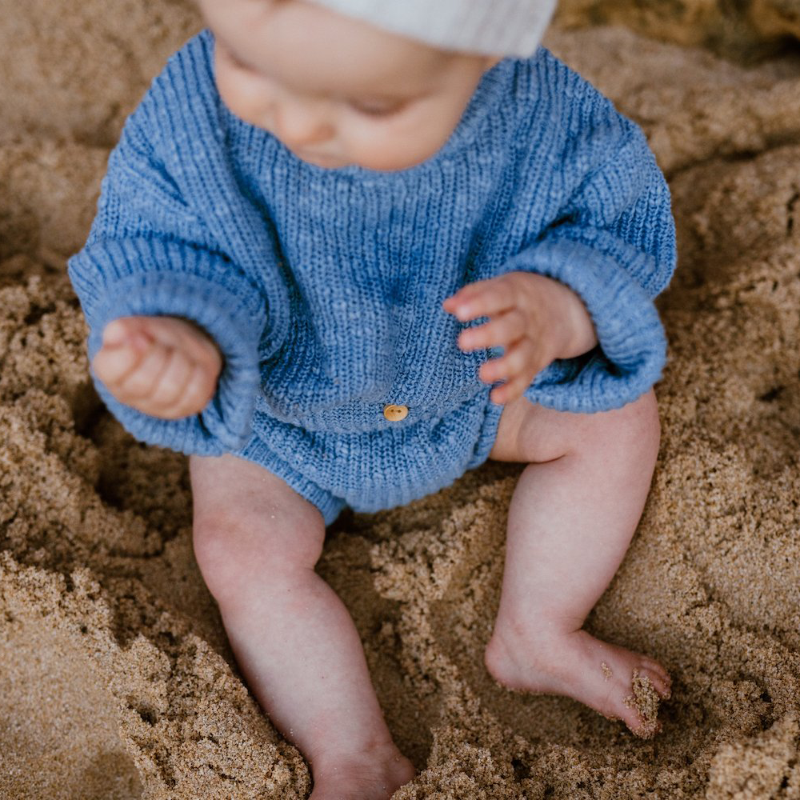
pixel 744 31
pixel 116 679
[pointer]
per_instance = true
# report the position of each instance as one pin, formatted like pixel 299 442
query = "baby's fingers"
pixel 519 358
pixel 113 363
pixel 172 382
pixel 482 298
pixel 499 332
pixel 510 390
pixel 517 367
pixel 199 389
pixel 142 380
pixel 184 335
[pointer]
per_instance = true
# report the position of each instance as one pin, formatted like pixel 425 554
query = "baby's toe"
pixel 654 665
pixel 647 691
pixel 637 724
pixel 646 729
pixel 659 678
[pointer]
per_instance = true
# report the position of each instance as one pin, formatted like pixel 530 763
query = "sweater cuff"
pixel 228 308
pixel 631 349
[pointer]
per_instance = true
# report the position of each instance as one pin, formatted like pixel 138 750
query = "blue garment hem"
pixel 328 504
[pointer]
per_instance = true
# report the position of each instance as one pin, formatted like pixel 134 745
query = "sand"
pixel 745 31
pixel 115 677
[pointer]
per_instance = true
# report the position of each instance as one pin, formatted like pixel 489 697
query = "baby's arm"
pixel 612 248
pixel 150 255
pixel 142 277
pixel 162 366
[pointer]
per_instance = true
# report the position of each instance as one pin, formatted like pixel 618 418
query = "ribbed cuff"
pixel 632 345
pixel 228 309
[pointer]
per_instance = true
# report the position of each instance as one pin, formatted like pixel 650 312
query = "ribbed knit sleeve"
pixel 149 253
pixel 153 277
pixel 614 245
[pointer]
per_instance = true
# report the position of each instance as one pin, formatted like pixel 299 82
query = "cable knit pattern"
pixel 323 287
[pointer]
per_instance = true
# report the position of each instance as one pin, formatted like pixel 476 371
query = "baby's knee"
pixel 239 552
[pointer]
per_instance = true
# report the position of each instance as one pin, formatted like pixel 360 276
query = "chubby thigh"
pixel 530 433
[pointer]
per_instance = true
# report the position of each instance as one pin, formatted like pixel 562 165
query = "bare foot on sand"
pixel 616 682
pixel 373 776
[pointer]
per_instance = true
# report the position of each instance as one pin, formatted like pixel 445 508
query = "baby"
pixel 347 250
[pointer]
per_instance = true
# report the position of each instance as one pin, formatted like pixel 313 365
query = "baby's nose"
pixel 299 123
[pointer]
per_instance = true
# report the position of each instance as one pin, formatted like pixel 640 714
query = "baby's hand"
pixel 162 366
pixel 535 319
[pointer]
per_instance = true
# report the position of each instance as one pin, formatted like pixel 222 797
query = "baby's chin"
pixel 324 160
pixel 377 163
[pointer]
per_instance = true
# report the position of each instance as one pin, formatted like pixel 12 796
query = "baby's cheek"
pixel 242 95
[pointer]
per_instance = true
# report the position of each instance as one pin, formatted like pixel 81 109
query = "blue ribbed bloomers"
pixel 323 288
pixel 386 468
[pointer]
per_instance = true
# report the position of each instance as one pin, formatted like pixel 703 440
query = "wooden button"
pixel 395 413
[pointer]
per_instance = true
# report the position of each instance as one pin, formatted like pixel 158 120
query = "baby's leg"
pixel 572 516
pixel 257 541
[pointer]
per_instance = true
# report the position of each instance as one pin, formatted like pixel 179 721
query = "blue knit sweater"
pixel 323 287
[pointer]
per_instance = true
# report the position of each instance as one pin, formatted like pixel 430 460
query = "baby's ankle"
pixel 332 758
pixel 537 629
pixel 373 773
pixel 515 649
pixel 502 656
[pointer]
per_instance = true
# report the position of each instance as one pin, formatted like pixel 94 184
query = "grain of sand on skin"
pixel 114 661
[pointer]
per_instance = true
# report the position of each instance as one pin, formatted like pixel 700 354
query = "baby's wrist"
pixel 580 335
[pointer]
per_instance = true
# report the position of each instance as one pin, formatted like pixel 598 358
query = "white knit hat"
pixel 490 27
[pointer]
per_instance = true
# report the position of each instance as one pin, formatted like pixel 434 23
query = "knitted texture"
pixel 491 27
pixel 323 287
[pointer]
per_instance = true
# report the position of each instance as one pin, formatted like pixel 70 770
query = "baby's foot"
pixel 616 682
pixel 376 775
